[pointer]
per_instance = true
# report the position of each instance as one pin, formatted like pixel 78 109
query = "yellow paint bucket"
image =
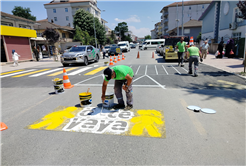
pixel 85 99
pixel 58 85
pixel 109 99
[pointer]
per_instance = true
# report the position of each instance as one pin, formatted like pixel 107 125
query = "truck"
pixel 80 54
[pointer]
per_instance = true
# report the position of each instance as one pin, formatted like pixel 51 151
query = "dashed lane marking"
pixel 46 72
pixel 21 75
pixel 95 71
pixel 137 70
pixel 11 72
pixel 61 72
pixel 17 73
pixel 165 69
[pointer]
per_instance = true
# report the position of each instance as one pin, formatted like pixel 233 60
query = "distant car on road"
pixel 115 50
pixel 107 48
pixel 80 54
pixel 133 45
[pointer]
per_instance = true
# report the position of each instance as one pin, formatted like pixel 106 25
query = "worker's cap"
pixel 108 73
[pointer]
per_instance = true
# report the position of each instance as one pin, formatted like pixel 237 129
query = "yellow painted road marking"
pixel 193 118
pixel 30 73
pixel 11 72
pixel 227 84
pixel 61 72
pixel 95 71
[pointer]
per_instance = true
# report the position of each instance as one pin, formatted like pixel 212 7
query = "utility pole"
pixel 177 20
pixel 182 17
pixel 95 29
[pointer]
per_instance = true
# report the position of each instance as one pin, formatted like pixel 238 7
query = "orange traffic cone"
pixel 111 61
pixel 191 40
pixel 66 81
pixel 153 55
pixel 115 61
pixel 3 126
pixel 123 58
pixel 138 55
pixel 119 58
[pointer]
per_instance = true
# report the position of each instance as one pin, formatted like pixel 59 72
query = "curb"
pixel 6 63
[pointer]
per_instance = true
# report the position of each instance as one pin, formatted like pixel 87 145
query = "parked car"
pixel 152 43
pixel 158 47
pixel 114 50
pixel 133 45
pixel 113 45
pixel 124 46
pixel 67 48
pixel 80 54
pixel 107 48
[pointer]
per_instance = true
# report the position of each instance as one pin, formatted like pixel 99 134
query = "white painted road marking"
pixel 165 69
pixel 39 74
pixel 137 70
pixel 17 73
pixel 79 71
pixel 175 69
pixel 146 70
pixel 89 79
pixel 185 69
pixel 156 70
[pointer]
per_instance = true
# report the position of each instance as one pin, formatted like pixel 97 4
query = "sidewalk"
pixel 231 65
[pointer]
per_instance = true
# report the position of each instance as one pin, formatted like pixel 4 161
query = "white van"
pixel 124 46
pixel 152 43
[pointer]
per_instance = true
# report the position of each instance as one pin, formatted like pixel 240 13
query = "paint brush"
pixel 88 90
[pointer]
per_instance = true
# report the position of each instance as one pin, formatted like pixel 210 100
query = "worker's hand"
pixel 124 88
pixel 103 98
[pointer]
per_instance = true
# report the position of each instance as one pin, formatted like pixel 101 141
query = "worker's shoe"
pixel 128 107
pixel 190 72
pixel 195 75
pixel 182 65
pixel 119 106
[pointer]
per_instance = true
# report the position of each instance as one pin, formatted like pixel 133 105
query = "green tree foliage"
pixel 23 12
pixel 147 37
pixel 82 36
pixel 51 35
pixel 121 29
pixel 84 20
pixel 112 35
pixel 127 38
pixel 242 6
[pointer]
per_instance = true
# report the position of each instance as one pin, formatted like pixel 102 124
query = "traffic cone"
pixel 123 58
pixel 66 81
pixel 153 55
pixel 111 61
pixel 138 55
pixel 115 61
pixel 119 58
pixel 3 126
pixel 191 40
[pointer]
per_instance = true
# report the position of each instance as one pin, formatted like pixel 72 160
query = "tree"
pixel 121 29
pixel 84 20
pixel 242 6
pixel 199 37
pixel 23 12
pixel 147 37
pixel 82 36
pixel 127 38
pixel 112 35
pixel 51 35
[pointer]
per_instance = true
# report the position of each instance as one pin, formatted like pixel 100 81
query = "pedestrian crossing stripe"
pixel 79 71
pixel 95 71
pixel 31 73
pixel 7 75
pixel 60 72
pixel 11 72
pixel 46 72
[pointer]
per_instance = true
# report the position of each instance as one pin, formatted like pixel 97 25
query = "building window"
pixel 55 18
pixel 24 26
pixel 66 9
pixel 70 35
pixel 237 12
pixel 63 35
pixel 236 35
pixel 189 8
pixel 186 31
pixel 54 10
pixel 67 18
pixel 39 34
pixel 88 9
pixel 6 23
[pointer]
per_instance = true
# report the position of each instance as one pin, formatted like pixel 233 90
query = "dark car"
pixel 114 50
pixel 133 45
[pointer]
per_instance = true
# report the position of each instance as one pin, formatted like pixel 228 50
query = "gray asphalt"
pixel 191 138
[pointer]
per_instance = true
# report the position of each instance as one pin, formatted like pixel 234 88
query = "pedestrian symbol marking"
pixel 143 123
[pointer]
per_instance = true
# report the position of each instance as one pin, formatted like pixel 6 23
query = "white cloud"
pixel 139 32
pixel 133 18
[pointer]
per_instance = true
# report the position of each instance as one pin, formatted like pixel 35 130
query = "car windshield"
pixel 144 43
pixel 113 48
pixel 77 49
pixel 107 47
pixel 121 44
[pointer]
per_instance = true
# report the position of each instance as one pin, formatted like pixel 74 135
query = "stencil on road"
pixel 142 123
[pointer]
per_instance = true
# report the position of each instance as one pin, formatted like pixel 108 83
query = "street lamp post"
pixel 95 29
pixel 182 17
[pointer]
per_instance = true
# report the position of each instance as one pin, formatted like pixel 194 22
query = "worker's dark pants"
pixel 181 57
pixel 194 59
pixel 104 53
pixel 118 92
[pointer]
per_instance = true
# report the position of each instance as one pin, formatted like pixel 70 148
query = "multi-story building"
pixel 61 12
pixel 172 14
pixel 153 34
pixel 157 34
pixel 15 35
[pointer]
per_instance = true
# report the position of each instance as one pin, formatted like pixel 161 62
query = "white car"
pixel 124 46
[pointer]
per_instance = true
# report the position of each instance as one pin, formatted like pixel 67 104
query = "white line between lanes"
pixel 156 82
pixel 156 70
pixel 184 69
pixel 88 79
pixel 39 74
pixel 17 73
pixel 146 69
pixel 79 71
pixel 165 69
pixel 137 70
pixel 175 69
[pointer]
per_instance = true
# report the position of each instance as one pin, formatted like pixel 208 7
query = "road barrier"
pixel 111 61
pixel 3 126
pixel 58 85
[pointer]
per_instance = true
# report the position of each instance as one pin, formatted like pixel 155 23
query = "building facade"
pixel 153 34
pixel 15 35
pixel 61 12
pixel 172 14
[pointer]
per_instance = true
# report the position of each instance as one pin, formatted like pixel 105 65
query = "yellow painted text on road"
pixel 95 71
pixel 30 73
pixel 11 72
pixel 61 72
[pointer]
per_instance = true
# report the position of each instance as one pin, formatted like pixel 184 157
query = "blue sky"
pixel 139 15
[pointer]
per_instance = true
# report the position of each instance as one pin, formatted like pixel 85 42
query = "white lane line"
pixel 138 78
pixel 111 85
pixel 165 69
pixel 137 70
pixel 79 71
pixel 175 69
pixel 130 66
pixel 146 70
pixel 88 79
pixel 184 69
pixel 156 70
pixel 17 73
pixel 39 74
pixel 163 87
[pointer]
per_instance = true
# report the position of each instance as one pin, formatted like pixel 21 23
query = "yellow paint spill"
pixel 148 119
pixel 95 71
pixel 55 119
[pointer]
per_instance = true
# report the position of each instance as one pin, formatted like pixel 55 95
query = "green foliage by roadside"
pixel 147 37
pixel 84 20
pixel 121 29
pixel 23 12
pixel 82 36
pixel 199 37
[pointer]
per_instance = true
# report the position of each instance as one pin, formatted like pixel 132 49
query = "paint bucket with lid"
pixel 85 99
pixel 109 99
pixel 58 85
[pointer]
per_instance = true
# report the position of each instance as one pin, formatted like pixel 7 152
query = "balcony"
pixel 166 27
pixel 162 17
pixel 166 20
pixel 165 13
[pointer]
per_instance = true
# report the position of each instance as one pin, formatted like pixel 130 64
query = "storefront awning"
pixel 18 32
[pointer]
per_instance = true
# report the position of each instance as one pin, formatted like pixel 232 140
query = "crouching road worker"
pixel 123 76
pixel 193 51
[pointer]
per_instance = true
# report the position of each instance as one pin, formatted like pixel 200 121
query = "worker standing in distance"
pixel 181 45
pixel 194 54
pixel 123 76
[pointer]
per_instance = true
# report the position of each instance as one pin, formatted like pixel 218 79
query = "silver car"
pixel 80 54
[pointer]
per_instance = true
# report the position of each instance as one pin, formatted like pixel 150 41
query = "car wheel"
pixel 86 61
pixel 145 48
pixel 65 65
pixel 97 58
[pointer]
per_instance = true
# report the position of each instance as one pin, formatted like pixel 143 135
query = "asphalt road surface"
pixel 188 137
